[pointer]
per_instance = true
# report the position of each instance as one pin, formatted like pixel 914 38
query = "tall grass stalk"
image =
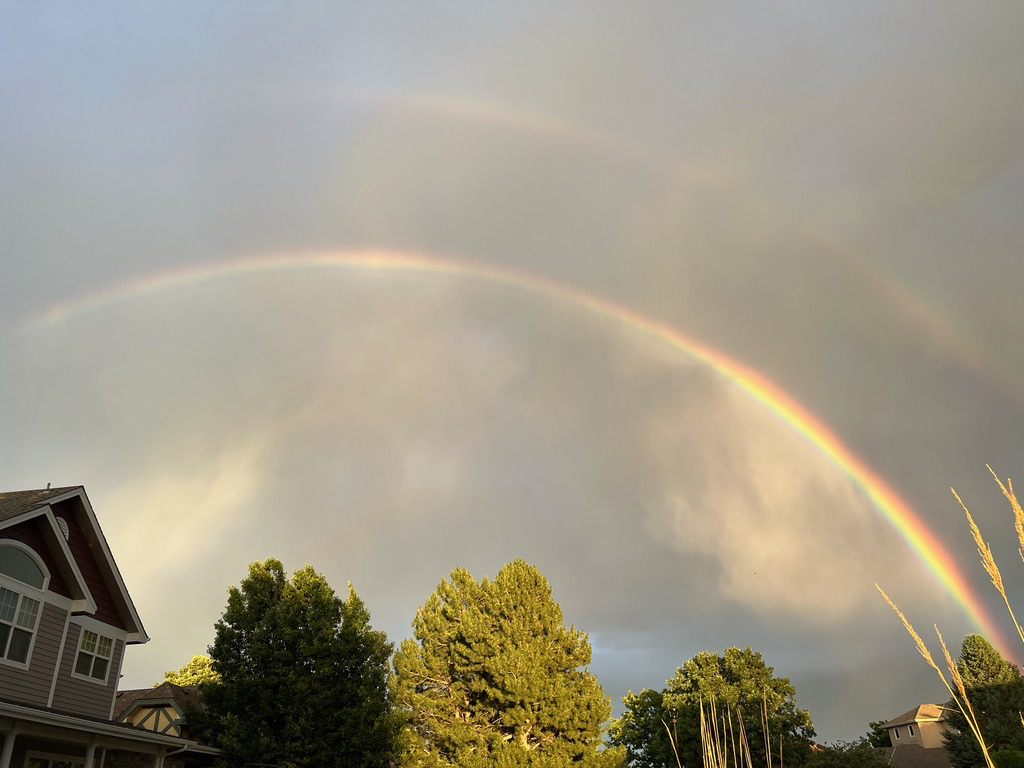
pixel 717 732
pixel 956 688
pixel 672 741
pixel 764 730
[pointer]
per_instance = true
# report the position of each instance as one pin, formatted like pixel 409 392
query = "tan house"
pixel 66 619
pixel 916 738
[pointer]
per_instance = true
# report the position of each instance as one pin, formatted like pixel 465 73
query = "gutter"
pixel 98 727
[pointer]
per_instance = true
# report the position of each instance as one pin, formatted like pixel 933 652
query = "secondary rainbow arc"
pixel 912 529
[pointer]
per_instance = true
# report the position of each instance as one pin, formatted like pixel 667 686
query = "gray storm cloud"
pixel 357 422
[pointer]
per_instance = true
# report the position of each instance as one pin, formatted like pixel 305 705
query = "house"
pixel 161 709
pixel 916 738
pixel 66 619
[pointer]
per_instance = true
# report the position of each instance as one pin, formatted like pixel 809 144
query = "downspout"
pixel 60 658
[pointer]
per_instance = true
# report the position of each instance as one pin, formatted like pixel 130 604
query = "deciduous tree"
pixel 303 675
pixel 738 681
pixel 859 754
pixel 196 672
pixel 647 728
pixel 493 677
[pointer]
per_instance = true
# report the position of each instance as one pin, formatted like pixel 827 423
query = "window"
pixel 18 617
pixel 21 566
pixel 19 613
pixel 896 732
pixel 54 761
pixel 94 652
pixel 910 729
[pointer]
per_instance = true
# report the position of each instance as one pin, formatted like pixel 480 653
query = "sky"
pixel 700 308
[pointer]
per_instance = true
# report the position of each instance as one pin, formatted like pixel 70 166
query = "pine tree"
pixel 493 677
pixel 995 689
pixel 877 737
pixel 303 675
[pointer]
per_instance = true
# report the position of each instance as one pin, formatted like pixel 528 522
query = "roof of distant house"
pixel 185 696
pixel 922 713
pixel 14 503
pixel 916 756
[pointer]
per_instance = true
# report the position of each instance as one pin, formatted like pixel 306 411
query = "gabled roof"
pixel 919 714
pixel 19 506
pixel 184 696
pixel 916 756
pixel 15 503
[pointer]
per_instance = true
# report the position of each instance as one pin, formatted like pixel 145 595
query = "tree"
pixel 196 672
pixel 738 682
pixel 878 736
pixel 303 675
pixel 643 730
pixel 995 690
pixel 1008 758
pixel 859 754
pixel 493 677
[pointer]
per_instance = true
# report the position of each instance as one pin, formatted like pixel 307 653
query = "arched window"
pixel 21 566
pixel 19 613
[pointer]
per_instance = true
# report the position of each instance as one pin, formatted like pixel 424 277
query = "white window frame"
pixel 100 633
pixel 896 732
pixel 32 554
pixel 23 590
pixel 910 729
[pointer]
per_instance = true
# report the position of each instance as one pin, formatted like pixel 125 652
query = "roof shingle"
pixel 185 696
pixel 916 715
pixel 14 503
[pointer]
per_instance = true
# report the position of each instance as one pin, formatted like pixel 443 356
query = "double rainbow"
pixel 900 515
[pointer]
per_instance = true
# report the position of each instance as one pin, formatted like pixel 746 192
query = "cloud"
pixel 790 531
pixel 356 420
pixel 190 510
pixel 760 180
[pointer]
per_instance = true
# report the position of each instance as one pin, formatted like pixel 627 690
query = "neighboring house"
pixel 65 621
pixel 916 737
pixel 161 709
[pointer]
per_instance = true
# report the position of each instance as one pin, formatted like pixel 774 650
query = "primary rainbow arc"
pixel 913 530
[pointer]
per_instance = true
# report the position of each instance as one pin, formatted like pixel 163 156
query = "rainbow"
pixel 911 304
pixel 900 515
pixel 499 116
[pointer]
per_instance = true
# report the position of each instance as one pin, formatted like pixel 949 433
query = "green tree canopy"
pixel 303 675
pixel 877 737
pixel 493 677
pixel 995 690
pixel 196 672
pixel 643 730
pixel 738 681
pixel 859 754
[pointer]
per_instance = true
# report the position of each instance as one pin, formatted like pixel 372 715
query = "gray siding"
pixel 84 697
pixel 32 685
